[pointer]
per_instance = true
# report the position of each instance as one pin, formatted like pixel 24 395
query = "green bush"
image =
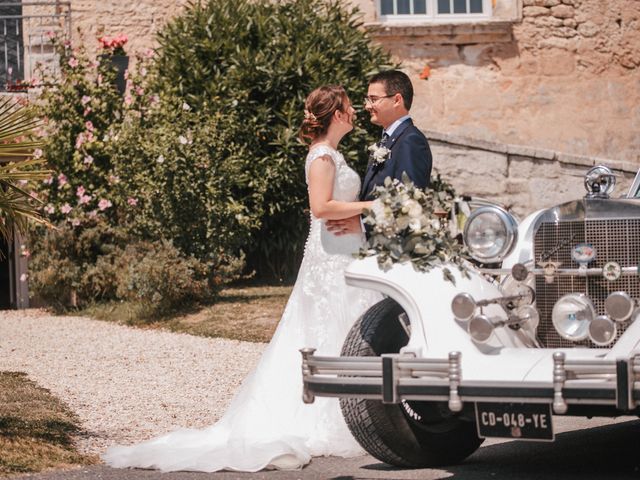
pixel 198 166
pixel 98 264
pixel 253 87
pixel 107 203
pixel 164 280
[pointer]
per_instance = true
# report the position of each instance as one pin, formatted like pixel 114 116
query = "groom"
pixel 403 147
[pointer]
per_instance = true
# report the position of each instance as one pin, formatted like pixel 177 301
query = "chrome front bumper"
pixel 392 378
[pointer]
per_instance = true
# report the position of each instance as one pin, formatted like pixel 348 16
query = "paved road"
pixel 584 449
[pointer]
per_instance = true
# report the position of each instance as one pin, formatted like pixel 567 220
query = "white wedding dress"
pixel 267 425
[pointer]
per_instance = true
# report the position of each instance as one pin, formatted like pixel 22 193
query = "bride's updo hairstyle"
pixel 318 111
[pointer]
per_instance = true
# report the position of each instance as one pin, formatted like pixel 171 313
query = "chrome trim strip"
pixel 396 377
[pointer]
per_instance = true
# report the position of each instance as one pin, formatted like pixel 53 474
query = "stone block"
pixel 548 21
pixel 588 29
pixel 570 22
pixel 535 11
pixel 551 3
pixel 562 11
pixel 560 43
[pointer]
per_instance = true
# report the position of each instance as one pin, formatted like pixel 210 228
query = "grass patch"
pixel 243 312
pixel 36 429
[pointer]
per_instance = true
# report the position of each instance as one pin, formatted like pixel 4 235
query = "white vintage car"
pixel 547 324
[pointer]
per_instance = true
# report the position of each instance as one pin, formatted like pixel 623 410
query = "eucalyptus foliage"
pixel 409 224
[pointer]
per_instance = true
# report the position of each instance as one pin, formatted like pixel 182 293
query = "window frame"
pixel 432 16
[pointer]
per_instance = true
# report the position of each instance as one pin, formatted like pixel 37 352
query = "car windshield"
pixel 634 191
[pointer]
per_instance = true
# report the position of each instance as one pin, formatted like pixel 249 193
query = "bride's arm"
pixel 322 172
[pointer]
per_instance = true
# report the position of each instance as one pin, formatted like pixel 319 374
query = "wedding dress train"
pixel 267 425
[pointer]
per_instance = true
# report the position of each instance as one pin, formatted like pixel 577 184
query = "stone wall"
pixel 140 20
pixel 520 177
pixel 564 75
pixel 554 74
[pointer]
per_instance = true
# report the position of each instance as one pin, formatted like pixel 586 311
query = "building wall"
pixel 524 179
pixel 140 20
pixel 554 74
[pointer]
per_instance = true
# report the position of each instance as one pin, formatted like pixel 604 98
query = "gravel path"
pixel 125 384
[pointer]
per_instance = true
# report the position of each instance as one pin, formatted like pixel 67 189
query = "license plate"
pixel 522 421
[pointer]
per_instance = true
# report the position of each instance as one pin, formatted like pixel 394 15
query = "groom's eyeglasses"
pixel 373 99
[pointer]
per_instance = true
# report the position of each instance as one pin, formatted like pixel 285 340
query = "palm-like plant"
pixel 18 167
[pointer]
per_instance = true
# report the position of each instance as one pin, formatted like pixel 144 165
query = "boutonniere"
pixel 378 153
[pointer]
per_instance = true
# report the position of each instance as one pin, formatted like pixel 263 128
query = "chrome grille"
pixel 614 240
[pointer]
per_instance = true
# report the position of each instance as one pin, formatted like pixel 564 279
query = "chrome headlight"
pixel 572 315
pixel 490 233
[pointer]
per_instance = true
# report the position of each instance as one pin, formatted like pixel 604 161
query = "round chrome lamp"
pixel 480 328
pixel 602 330
pixel 599 182
pixel 490 233
pixel 572 315
pixel 619 306
pixel 463 306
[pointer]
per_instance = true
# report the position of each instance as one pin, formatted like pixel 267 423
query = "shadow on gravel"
pixel 609 451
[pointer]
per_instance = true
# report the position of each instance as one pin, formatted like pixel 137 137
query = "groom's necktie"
pixel 385 138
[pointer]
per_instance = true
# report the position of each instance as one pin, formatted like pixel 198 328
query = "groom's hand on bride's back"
pixel 345 226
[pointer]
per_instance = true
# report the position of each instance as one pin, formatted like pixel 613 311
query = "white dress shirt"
pixel 392 128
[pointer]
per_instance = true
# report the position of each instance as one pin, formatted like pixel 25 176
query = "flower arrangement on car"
pixel 409 224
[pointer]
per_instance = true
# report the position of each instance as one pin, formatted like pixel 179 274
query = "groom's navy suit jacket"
pixel 410 153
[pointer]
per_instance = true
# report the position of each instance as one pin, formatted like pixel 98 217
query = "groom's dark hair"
pixel 395 81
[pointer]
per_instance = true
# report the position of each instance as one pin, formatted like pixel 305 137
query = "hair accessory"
pixel 309 116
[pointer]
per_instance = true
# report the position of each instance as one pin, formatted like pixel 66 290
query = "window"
pixel 433 10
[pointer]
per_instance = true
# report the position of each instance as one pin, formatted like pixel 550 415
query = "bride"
pixel 267 425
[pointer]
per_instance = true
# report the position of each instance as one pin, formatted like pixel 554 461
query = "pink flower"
pixel 128 100
pixel 139 91
pixel 66 208
pixel 88 160
pixel 80 140
pixel 143 72
pixel 50 209
pixel 114 179
pixel 88 125
pixel 87 111
pixel 48 181
pixel 62 179
pixel 154 99
pixel 149 53
pixel 92 213
pixel 50 34
pixel 75 222
pixel 103 204
pixel 84 199
pixel 37 153
pixel 80 191
pixel 73 62
pixel 85 99
pixel 132 201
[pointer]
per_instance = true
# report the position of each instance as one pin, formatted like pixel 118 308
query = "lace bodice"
pixel 346 186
